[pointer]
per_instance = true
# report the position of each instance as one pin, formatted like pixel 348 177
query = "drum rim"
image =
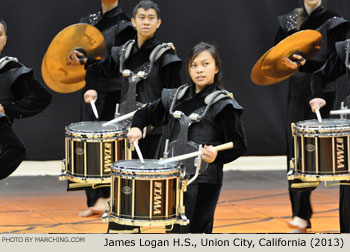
pixel 124 128
pixel 319 125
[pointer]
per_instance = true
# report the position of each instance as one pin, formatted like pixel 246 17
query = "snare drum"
pixel 321 150
pixel 146 194
pixel 91 150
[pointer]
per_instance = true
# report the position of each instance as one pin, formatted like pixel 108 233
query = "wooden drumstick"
pixel 93 106
pixel 194 154
pixel 318 114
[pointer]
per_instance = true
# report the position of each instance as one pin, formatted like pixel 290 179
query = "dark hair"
pixel 212 49
pixel 4 24
pixel 146 4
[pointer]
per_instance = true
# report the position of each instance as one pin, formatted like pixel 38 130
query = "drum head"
pixel 91 127
pixel 328 127
pixel 149 168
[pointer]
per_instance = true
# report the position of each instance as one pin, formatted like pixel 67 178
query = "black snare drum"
pixel 146 194
pixel 91 149
pixel 321 150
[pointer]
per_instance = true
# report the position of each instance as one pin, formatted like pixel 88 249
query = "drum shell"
pixel 90 155
pixel 322 151
pixel 145 196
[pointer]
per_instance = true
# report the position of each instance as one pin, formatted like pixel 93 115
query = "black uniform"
pixel 220 124
pixel 165 73
pixel 332 28
pixel 21 96
pixel 116 28
pixel 334 68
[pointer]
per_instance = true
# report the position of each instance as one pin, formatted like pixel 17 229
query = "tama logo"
pixel 107 157
pixel 79 151
pixel 310 148
pixel 157 198
pixel 126 190
pixel 340 153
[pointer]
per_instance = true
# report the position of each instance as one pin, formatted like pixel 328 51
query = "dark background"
pixel 242 30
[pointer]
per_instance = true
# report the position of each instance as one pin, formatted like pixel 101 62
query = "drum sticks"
pixel 318 114
pixel 120 118
pixel 139 153
pixel 93 106
pixel 196 153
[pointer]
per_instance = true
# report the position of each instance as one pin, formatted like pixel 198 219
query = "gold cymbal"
pixel 269 68
pixel 56 70
pixel 257 77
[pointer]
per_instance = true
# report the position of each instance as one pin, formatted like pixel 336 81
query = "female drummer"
pixel 218 121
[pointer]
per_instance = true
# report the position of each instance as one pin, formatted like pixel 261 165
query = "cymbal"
pixel 257 77
pixel 56 70
pixel 269 69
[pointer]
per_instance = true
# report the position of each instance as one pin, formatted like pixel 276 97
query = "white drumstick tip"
pixel 138 151
pixel 318 114
pixel 93 106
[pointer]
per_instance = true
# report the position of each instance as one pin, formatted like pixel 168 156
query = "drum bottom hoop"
pixel 317 178
pixel 143 223
pixel 88 180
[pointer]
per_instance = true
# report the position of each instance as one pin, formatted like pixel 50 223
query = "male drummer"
pixel 20 96
pixel 336 66
pixel 116 28
pixel 165 72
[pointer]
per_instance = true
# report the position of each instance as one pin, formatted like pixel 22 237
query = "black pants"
pixel 12 150
pixel 200 202
pixel 299 110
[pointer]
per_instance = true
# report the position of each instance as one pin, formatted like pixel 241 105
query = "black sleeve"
pixel 152 114
pixel 330 71
pixel 280 35
pixel 99 71
pixel 31 97
pixel 170 75
pixel 230 124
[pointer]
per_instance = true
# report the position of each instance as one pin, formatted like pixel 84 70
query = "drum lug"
pixel 183 185
pixel 63 176
pixel 108 205
pixel 292 163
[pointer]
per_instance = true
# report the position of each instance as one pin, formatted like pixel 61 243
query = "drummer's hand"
pixel 209 153
pixel 90 95
pixel 2 109
pixel 134 134
pixel 293 64
pixel 74 60
pixel 317 103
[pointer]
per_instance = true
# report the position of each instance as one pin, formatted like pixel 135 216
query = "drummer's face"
pixel 202 70
pixel 146 22
pixel 3 37
pixel 312 3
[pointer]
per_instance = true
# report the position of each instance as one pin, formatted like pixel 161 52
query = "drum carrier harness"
pixel 182 145
pixel 130 103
